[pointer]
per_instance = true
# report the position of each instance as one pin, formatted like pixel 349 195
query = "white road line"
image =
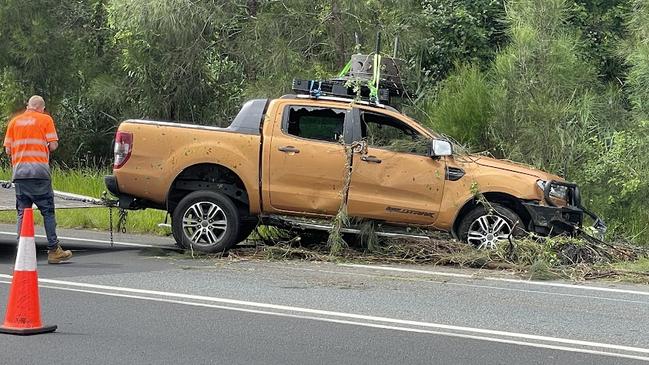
pixel 517 281
pixel 397 269
pixel 355 323
pixel 92 240
pixel 310 311
pixel 501 288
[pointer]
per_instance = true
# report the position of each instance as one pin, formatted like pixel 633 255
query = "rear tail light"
pixel 123 148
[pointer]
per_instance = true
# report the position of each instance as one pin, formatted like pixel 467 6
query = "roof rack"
pixel 372 78
pixel 344 100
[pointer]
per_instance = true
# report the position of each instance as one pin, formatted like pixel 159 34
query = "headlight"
pixel 557 192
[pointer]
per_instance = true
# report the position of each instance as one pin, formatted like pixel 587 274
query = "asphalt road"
pixel 142 302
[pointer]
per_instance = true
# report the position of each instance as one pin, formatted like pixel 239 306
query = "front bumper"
pixel 551 219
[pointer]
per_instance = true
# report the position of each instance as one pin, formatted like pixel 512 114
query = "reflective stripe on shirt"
pixel 27 141
pixel 25 122
pixel 21 154
pixel 52 136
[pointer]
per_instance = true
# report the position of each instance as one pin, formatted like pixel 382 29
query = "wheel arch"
pixel 501 198
pixel 211 177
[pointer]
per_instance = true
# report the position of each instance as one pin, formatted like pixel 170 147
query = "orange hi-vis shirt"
pixel 27 136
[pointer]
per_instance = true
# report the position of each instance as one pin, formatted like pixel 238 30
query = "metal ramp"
pixel 62 200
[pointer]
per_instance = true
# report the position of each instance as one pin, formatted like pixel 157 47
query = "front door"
pixel 307 160
pixel 394 179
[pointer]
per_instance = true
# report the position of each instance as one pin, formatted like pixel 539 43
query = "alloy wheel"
pixel 204 223
pixel 486 231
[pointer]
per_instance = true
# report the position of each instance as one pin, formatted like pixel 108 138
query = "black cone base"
pixel 27 331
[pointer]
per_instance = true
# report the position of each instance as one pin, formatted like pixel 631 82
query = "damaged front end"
pixel 563 212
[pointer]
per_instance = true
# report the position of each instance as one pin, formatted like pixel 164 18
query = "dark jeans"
pixel 45 204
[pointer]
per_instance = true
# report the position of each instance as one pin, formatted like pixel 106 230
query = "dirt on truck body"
pixel 286 157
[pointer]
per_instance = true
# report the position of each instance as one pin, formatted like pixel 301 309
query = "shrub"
pixel 462 107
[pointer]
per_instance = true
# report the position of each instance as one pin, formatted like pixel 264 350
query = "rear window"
pixel 322 124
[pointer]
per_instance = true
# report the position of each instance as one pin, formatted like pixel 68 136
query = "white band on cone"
pixel 26 258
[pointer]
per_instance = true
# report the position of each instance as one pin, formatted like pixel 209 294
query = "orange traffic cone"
pixel 23 309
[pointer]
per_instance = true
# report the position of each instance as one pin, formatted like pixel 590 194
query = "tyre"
pixel 484 229
pixel 206 221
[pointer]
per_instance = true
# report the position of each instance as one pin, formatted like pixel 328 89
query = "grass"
pixel 90 182
pixel 641 265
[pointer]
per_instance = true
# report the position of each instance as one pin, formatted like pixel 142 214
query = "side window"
pixel 381 131
pixel 323 124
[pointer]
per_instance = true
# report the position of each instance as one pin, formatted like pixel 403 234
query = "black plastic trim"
pixel 454 173
pixel 554 220
pixel 111 184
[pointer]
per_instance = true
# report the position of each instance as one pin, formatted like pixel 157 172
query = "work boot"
pixel 57 255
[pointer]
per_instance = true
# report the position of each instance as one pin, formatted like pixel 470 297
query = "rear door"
pixel 306 159
pixel 394 179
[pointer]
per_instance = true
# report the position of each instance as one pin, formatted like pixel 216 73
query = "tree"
pixel 174 57
pixel 460 31
pixel 34 53
pixel 462 107
pixel 638 60
pixel 545 92
pixel 300 39
pixel 603 28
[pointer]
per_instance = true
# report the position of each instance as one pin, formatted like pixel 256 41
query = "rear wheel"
pixel 206 221
pixel 485 228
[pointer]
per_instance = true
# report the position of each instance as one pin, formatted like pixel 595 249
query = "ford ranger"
pixel 287 157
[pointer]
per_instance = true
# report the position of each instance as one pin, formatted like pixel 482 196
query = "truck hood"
pixel 513 167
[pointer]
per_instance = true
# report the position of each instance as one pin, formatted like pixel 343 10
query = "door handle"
pixel 289 149
pixel 373 159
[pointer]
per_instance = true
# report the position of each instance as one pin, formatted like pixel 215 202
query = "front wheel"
pixel 206 221
pixel 485 228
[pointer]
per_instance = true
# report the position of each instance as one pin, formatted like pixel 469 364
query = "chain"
pixel 121 223
pixel 110 224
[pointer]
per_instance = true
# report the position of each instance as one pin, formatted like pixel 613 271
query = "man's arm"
pixel 53 145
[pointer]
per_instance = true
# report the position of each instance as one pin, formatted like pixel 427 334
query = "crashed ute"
pixel 283 159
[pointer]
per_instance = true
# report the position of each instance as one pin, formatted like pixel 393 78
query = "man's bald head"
pixel 36 103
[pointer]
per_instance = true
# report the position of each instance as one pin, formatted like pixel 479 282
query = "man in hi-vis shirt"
pixel 30 138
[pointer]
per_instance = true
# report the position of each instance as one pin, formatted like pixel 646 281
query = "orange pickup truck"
pixel 286 158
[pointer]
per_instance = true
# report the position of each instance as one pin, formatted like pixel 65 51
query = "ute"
pixel 285 158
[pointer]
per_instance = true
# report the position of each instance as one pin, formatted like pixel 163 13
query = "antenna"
pixel 357 47
pixel 396 47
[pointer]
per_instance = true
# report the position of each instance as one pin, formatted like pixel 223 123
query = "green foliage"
pixel 295 38
pixel 638 59
pixel 618 180
pixel 11 94
pixel 603 28
pixel 172 53
pixel 460 31
pixel 462 107
pixel 545 93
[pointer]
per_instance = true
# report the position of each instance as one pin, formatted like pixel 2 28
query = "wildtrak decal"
pixel 409 211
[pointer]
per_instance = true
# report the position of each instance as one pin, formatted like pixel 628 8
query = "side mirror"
pixel 439 148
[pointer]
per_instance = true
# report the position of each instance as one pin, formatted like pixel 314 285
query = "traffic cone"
pixel 23 308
